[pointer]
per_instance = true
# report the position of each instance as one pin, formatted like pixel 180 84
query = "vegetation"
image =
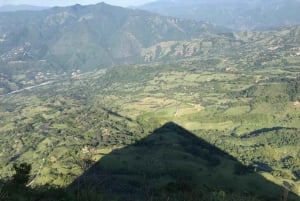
pixel 89 38
pixel 220 122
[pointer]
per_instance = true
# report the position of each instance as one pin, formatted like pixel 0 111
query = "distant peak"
pixel 77 6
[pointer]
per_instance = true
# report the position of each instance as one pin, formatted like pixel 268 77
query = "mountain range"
pixel 241 15
pixel 203 112
pixel 84 38
pixel 42 44
pixel 88 37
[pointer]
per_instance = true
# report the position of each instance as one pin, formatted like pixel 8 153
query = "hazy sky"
pixel 71 2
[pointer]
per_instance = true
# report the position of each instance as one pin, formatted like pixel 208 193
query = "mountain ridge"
pixel 83 38
pixel 116 32
pixel 240 15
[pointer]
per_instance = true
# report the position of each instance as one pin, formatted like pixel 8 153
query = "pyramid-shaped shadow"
pixel 172 159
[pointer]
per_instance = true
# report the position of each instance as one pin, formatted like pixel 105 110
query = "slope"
pixel 234 14
pixel 88 37
pixel 35 46
pixel 172 163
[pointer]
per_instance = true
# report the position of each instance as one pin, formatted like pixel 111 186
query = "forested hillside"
pixel 81 38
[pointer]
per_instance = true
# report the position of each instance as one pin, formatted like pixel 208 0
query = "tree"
pixel 22 173
pixel 83 161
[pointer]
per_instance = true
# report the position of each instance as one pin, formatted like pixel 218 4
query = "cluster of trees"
pixel 293 90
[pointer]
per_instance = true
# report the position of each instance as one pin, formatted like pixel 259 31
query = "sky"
pixel 124 3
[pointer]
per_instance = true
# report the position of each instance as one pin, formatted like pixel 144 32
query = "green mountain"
pixel 242 15
pixel 229 45
pixel 88 37
pixel 81 38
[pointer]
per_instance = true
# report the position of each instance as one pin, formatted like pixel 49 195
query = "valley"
pixel 247 106
pixel 163 109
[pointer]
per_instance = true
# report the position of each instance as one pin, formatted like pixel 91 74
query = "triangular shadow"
pixel 171 160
